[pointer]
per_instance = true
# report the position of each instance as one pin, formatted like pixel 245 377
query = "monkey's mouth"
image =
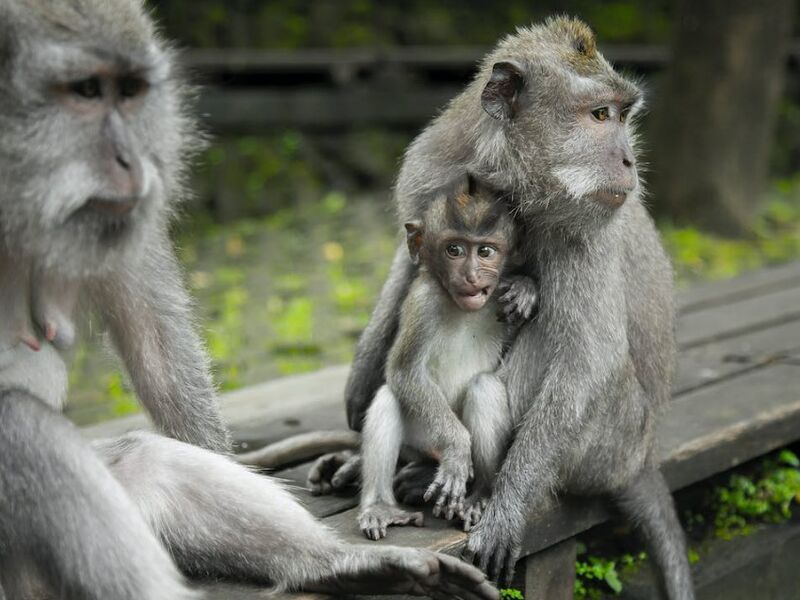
pixel 112 207
pixel 474 299
pixel 613 197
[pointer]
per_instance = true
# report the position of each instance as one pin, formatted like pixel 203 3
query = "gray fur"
pixel 93 142
pixel 588 378
pixel 442 399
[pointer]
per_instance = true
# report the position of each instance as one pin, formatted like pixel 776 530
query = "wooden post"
pixel 550 574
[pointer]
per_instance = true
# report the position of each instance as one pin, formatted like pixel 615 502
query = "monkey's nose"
pixel 627 161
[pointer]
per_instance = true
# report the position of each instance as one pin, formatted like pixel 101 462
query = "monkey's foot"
pixel 413 571
pixel 376 518
pixel 473 510
pixel 412 481
pixel 334 471
pixel 449 488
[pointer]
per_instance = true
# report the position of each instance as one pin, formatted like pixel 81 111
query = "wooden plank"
pixel 735 318
pixel 298 403
pixel 247 110
pixel 755 283
pixel 711 362
pixel 721 426
pixel 705 432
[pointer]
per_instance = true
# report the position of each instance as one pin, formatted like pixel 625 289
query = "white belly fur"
pixel 467 344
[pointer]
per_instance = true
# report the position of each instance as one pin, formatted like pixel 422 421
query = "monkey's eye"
pixel 88 88
pixel 455 250
pixel 131 86
pixel 486 251
pixel 601 114
pixel 623 115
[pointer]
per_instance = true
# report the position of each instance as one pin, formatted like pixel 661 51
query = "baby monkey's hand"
pixel 518 296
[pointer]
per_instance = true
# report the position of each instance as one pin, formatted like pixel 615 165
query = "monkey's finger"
pixel 498 562
pixel 348 473
pixel 508 296
pixel 432 490
pixel 511 563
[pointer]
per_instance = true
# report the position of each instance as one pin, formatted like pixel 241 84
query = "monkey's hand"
pixel 518 299
pixel 412 481
pixel 473 509
pixel 450 484
pixel 375 518
pixel 494 545
pixel 334 471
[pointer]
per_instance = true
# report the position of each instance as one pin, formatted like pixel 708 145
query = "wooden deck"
pixel 736 396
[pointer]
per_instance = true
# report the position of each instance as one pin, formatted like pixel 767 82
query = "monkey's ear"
pixel 414 239
pixel 499 97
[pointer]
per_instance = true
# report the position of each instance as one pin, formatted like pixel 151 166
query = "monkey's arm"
pixel 579 347
pixel 251 529
pixel 149 314
pixel 369 362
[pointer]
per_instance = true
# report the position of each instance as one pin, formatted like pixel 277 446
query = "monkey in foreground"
pixel 548 119
pixel 93 139
pixel 442 398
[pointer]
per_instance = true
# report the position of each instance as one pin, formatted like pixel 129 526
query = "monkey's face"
pixel 567 120
pixel 468 267
pixel 90 147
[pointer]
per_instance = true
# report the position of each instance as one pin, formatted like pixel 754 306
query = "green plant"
pixel 593 571
pixel 511 594
pixel 766 497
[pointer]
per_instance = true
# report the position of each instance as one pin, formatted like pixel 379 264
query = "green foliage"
pixel 766 497
pixel 511 594
pixel 593 571
pixel 358 23
pixel 776 237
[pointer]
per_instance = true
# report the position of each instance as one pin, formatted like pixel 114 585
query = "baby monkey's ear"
pixel 414 239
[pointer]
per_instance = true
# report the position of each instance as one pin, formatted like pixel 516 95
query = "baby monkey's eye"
pixel 623 114
pixel 455 250
pixel 601 114
pixel 88 88
pixel 486 251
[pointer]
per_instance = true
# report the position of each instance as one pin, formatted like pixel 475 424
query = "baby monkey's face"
pixel 469 267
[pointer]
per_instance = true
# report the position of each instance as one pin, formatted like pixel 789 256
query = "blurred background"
pixel 310 104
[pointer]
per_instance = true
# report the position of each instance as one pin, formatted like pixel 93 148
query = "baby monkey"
pixel 442 399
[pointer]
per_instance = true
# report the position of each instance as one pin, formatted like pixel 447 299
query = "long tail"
pixel 300 447
pixel 647 502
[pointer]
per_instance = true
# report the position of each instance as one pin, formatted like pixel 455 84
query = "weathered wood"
pixel 550 574
pixel 705 432
pixel 750 314
pixel 748 285
pixel 708 363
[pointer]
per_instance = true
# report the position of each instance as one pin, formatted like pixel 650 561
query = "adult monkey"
pixel 93 134
pixel 549 119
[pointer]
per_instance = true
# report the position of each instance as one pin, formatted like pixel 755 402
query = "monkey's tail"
pixel 300 447
pixel 647 502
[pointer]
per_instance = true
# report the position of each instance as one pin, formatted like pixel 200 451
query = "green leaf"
pixel 613 581
pixel 788 457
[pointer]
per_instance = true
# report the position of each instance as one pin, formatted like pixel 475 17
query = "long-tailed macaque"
pixel 442 398
pixel 549 120
pixel 94 137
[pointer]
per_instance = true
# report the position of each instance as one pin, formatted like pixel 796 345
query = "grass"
pixel 290 292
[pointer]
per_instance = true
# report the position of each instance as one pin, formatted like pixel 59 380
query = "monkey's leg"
pixel 63 510
pixel 369 362
pixel 220 519
pixel 384 432
pixel 487 416
pixel 647 502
